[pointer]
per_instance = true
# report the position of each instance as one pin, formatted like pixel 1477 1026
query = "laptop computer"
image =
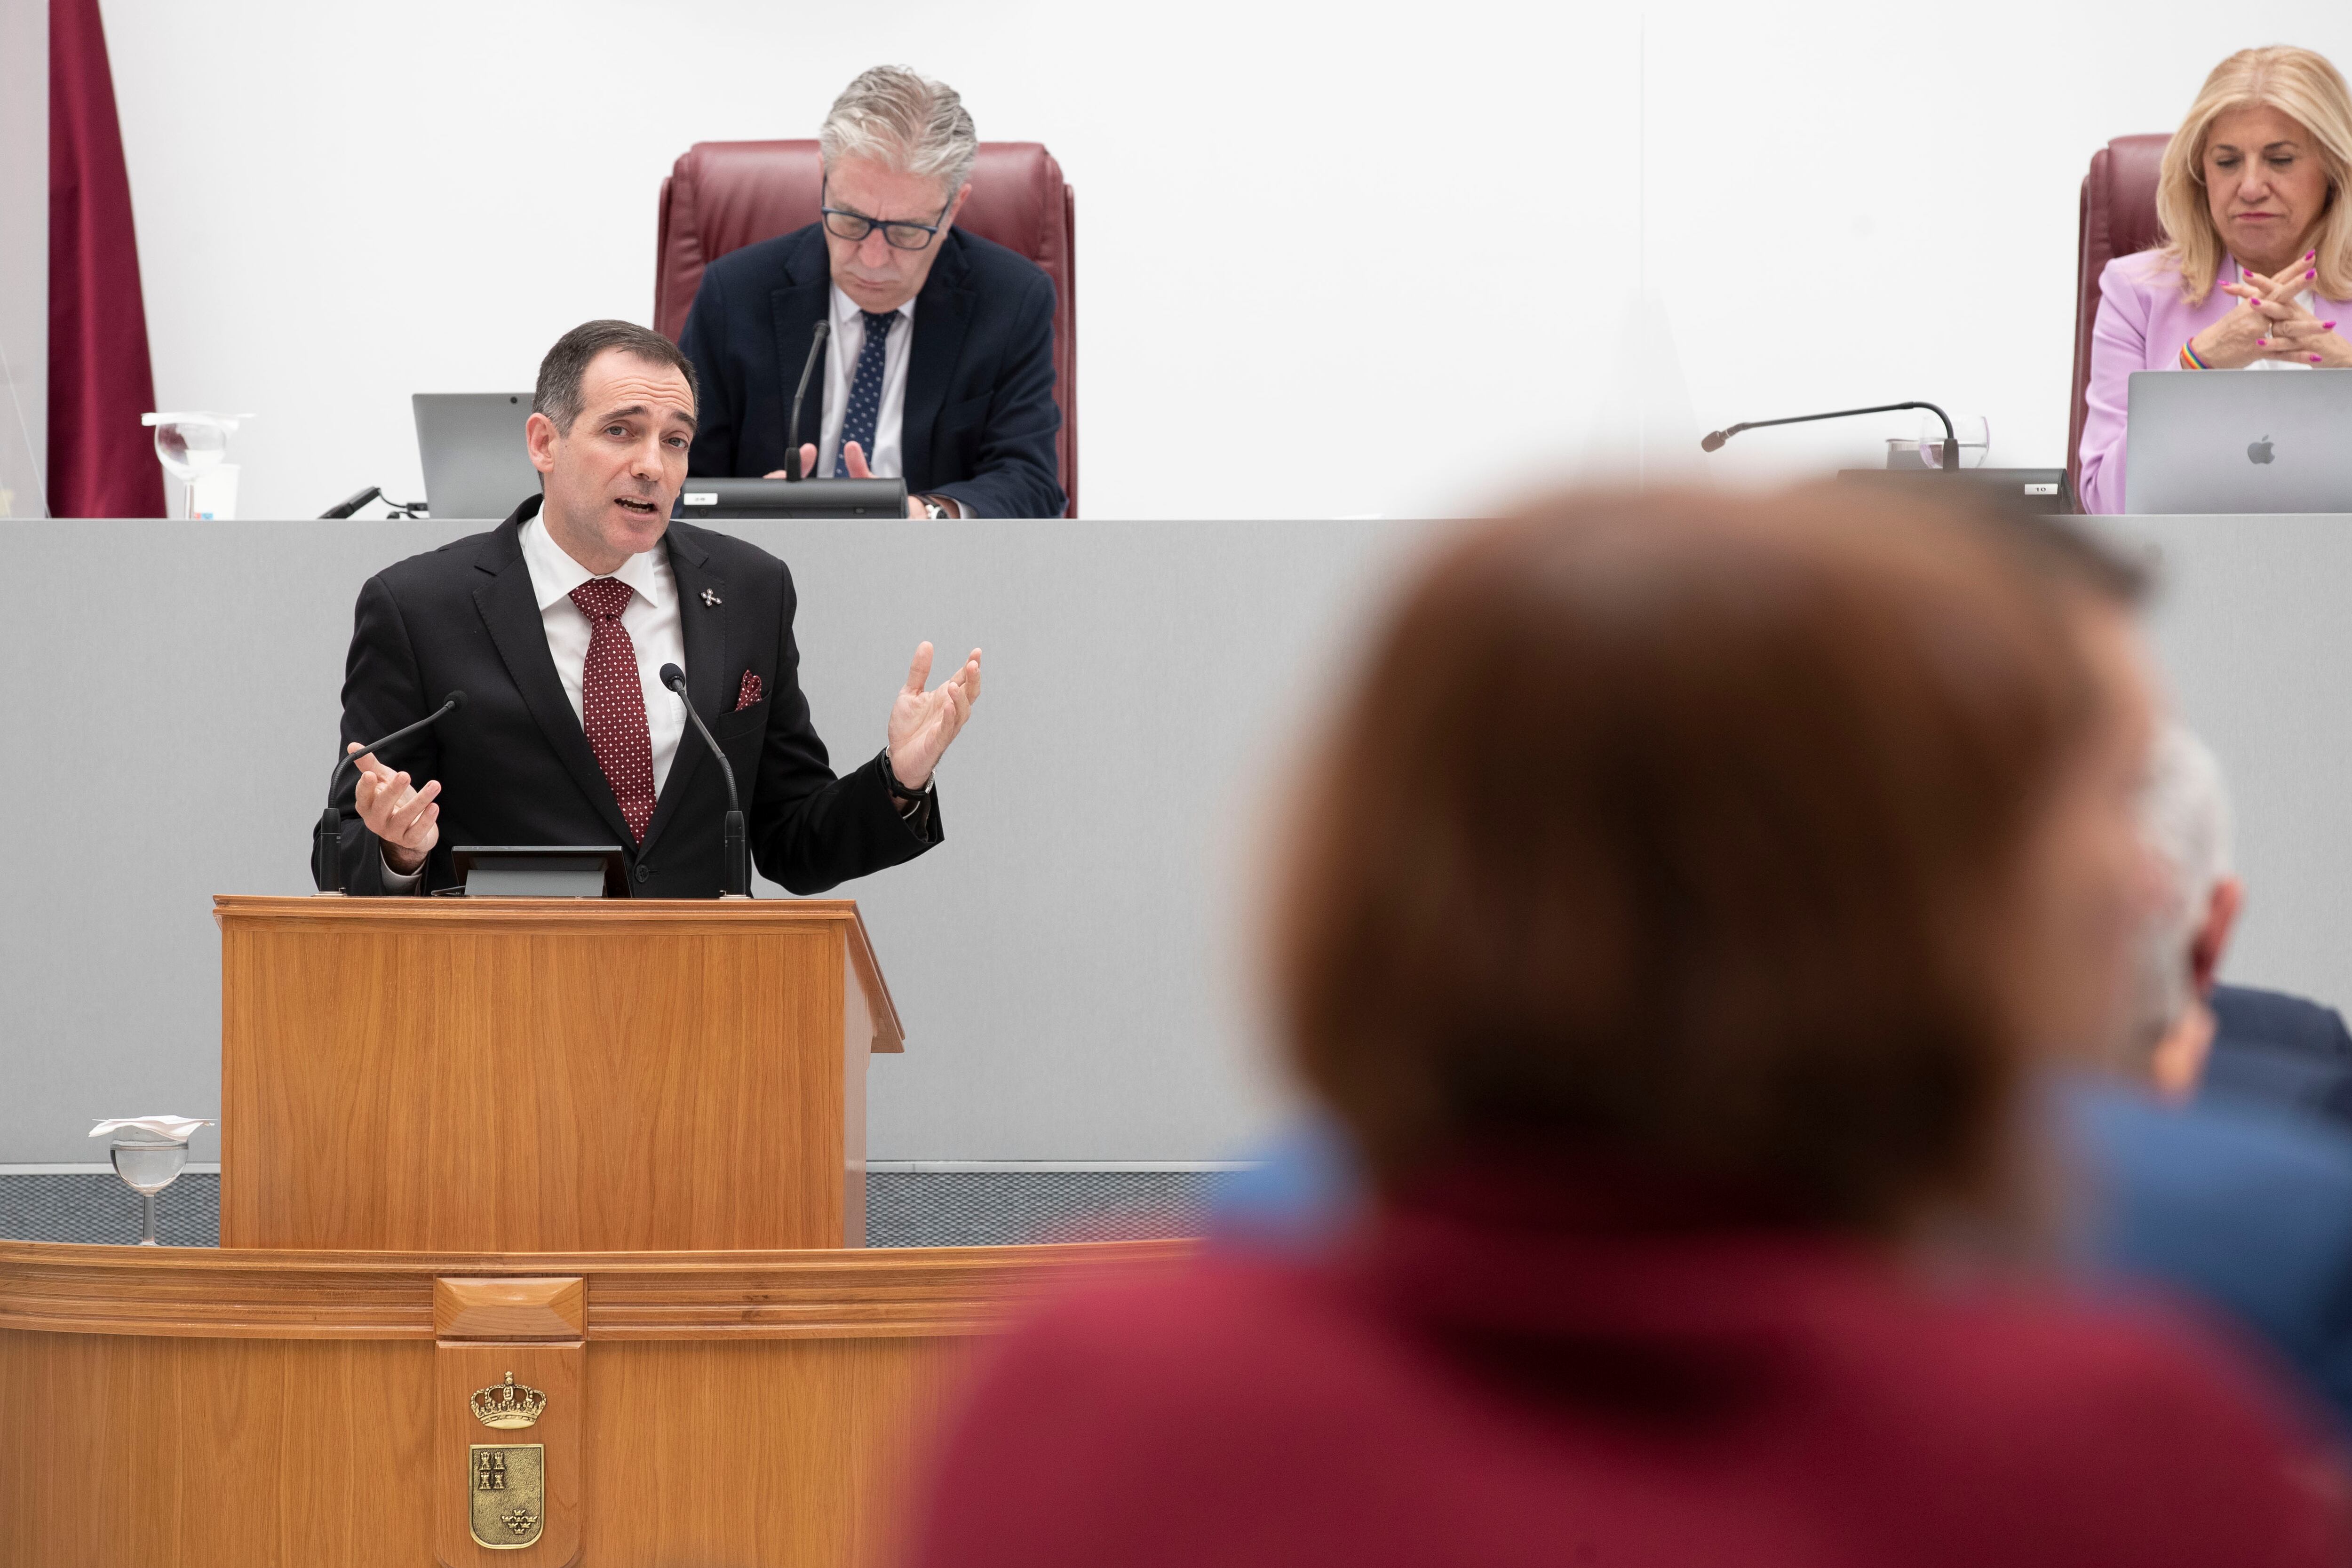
pixel 2238 441
pixel 471 444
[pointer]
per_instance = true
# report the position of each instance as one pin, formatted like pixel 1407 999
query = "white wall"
pixel 1381 258
pixel 24 255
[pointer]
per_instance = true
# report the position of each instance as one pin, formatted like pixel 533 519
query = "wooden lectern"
pixel 521 1075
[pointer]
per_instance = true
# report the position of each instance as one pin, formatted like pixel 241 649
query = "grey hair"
pixel 904 120
pixel 2185 823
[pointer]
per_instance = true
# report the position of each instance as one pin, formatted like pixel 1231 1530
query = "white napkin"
pixel 175 1129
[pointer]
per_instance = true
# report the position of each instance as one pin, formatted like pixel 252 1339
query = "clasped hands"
pixel 923 724
pixel 2270 324
pixel 853 458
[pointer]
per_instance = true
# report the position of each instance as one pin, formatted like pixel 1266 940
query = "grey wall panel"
pixel 1066 964
pixel 2251 631
pixel 1071 963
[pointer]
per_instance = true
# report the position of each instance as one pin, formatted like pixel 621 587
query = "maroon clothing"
pixel 1551 1390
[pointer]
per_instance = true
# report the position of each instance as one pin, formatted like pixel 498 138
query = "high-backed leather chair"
pixel 723 195
pixel 2118 218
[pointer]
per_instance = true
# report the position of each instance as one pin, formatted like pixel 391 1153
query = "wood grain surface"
pixel 286 1409
pixel 538 1309
pixel 266 1293
pixel 527 1075
pixel 117 1451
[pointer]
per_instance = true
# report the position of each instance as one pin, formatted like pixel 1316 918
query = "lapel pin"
pixel 711 598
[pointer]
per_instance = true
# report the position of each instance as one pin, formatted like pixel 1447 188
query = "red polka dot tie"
pixel 612 702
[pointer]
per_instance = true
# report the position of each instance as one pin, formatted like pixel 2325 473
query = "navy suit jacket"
pixel 516 767
pixel 979 417
pixel 2269 1045
pixel 2242 1207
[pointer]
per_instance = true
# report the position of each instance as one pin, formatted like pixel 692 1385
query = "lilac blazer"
pixel 2143 321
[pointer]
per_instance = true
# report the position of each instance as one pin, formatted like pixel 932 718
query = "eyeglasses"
pixel 896 233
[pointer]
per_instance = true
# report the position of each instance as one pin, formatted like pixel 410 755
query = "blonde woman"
pixel 2257 266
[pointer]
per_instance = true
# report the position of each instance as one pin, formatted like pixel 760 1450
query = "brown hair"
pixel 1682 828
pixel 565 366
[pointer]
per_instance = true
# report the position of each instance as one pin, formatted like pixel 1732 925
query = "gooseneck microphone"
pixel 792 431
pixel 735 846
pixel 1714 439
pixel 327 850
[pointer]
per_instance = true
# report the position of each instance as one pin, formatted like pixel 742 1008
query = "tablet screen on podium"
pixel 542 870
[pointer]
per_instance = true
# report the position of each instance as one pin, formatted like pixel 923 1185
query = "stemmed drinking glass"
pixel 148 1165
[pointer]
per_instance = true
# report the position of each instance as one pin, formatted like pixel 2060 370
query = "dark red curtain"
pixel 101 460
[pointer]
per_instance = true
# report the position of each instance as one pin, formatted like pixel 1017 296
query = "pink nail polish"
pixel 2327 326
pixel 2314 359
pixel 2261 343
pixel 2311 275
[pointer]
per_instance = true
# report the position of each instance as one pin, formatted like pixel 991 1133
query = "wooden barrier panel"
pixel 287 1409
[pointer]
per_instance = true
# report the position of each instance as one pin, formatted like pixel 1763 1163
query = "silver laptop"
pixel 2238 441
pixel 472 446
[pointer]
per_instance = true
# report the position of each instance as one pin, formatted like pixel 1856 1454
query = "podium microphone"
pixel 327 850
pixel 1714 439
pixel 736 849
pixel 792 432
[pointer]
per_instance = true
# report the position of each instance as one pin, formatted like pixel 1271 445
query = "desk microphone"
pixel 327 852
pixel 792 432
pixel 1714 439
pixel 738 852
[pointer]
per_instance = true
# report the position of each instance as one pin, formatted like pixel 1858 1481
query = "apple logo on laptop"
pixel 2259 451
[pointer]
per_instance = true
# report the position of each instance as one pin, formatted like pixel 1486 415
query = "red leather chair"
pixel 723 195
pixel 2118 219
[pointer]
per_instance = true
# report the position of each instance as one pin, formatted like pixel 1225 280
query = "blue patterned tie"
pixel 864 408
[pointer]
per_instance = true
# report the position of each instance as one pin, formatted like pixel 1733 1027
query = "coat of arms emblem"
pixel 508 1482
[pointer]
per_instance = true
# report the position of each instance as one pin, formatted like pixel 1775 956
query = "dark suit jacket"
pixel 2269 1045
pixel 979 419
pixel 2244 1208
pixel 515 765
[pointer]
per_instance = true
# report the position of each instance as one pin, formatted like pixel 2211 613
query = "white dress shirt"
pixel 651 620
pixel 888 459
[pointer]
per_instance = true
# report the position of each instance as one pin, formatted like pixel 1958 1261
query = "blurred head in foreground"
pixel 1686 889
pixel 1763 843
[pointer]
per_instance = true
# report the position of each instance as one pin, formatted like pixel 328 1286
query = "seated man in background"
pixel 1682 1033
pixel 940 366
pixel 2239 1204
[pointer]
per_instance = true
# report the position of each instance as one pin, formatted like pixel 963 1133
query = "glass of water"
pixel 148 1165
pixel 1973 430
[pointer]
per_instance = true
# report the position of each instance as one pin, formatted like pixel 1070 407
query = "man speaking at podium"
pixel 556 624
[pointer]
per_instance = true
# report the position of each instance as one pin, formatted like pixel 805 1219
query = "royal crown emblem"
pixel 508 1405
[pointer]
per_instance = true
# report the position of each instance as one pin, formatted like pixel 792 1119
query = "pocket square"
pixel 750 694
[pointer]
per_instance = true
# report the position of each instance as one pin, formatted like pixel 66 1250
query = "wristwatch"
pixel 932 509
pixel 891 779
